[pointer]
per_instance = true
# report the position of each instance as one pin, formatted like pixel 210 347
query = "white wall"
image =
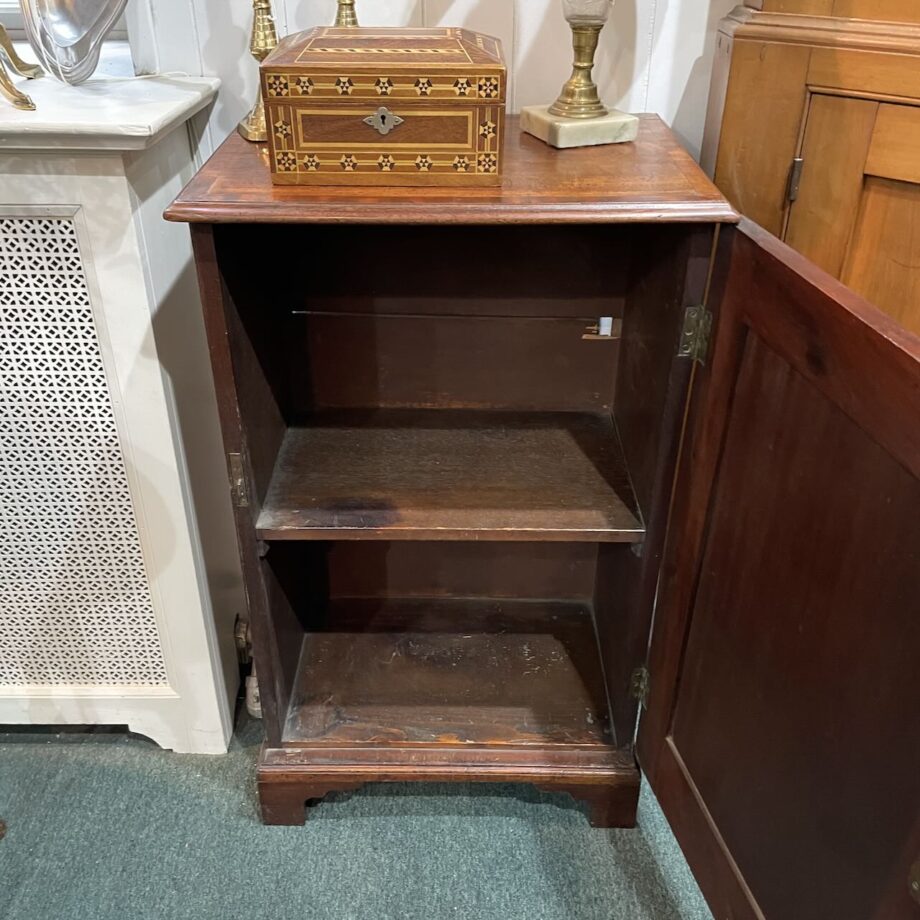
pixel 655 55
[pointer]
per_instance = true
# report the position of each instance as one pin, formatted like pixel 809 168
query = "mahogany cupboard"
pixel 479 440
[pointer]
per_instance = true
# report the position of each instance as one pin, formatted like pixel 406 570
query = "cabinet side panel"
pixel 253 429
pixel 256 349
pixel 669 274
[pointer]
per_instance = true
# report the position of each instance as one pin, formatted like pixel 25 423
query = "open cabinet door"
pixel 782 734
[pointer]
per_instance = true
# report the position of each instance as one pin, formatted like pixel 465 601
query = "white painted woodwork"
pixel 120 574
pixel 132 115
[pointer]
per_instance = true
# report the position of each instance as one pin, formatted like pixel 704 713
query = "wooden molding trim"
pixel 822 31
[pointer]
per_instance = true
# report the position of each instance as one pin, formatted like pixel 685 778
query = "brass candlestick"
pixel 264 40
pixel 579 97
pixel 578 118
pixel 346 15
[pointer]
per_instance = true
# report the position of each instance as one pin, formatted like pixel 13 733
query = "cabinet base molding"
pixel 289 778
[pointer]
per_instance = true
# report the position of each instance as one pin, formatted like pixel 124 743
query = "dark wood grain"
pixel 780 735
pixel 532 570
pixel 455 362
pixel 668 273
pixel 605 778
pixel 502 329
pixel 861 359
pixel 826 597
pixel 450 671
pixel 450 690
pixel 651 180
pixel 570 270
pixel 451 476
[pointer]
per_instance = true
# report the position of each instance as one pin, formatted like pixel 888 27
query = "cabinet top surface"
pixel 651 180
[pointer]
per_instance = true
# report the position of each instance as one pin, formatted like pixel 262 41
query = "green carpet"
pixel 109 827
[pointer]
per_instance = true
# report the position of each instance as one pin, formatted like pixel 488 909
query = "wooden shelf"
pixel 451 475
pixel 455 672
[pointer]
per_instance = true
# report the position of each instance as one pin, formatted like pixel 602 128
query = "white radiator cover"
pixel 119 576
pixel 75 603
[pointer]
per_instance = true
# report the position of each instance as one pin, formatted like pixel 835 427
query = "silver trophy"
pixel 67 35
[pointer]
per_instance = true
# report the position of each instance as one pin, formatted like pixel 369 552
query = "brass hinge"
pixel 639 686
pixel 243 642
pixel 795 178
pixel 694 337
pixel 238 490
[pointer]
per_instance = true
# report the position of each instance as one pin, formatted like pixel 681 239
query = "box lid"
pixel 370 48
pixel 423 64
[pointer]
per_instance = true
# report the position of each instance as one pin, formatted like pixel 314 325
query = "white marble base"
pixel 613 128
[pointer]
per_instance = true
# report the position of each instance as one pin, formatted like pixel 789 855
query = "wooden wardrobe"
pixel 813 131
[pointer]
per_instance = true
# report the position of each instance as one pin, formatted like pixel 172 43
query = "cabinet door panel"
pixel 895 141
pixel 858 210
pixel 837 140
pixel 781 734
pixel 883 262
pixel 767 86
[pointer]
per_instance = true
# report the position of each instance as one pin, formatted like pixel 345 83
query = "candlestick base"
pixel 557 131
pixel 253 126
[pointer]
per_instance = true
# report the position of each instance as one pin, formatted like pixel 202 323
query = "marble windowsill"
pixel 113 110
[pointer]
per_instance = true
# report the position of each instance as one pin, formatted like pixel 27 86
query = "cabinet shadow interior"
pixel 452 423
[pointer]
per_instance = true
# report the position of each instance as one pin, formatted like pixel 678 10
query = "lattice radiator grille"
pixel 75 604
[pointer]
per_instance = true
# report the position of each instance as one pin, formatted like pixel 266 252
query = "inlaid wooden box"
pixel 378 106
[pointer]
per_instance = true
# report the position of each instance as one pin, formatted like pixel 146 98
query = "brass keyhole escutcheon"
pixel 383 121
